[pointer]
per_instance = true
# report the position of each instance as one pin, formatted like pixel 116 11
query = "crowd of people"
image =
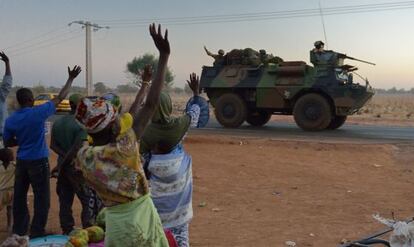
pixel 128 168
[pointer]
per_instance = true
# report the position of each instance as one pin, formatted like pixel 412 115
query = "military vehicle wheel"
pixel 258 118
pixel 336 122
pixel 312 112
pixel 230 110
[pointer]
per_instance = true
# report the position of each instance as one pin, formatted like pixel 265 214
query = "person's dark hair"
pixel 6 156
pixel 24 96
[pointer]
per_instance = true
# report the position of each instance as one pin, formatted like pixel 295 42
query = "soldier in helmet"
pixel 218 58
pixel 264 57
pixel 320 57
pixel 316 54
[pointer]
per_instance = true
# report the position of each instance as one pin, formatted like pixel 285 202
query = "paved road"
pixel 289 131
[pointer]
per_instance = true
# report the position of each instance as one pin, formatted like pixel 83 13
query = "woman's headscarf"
pixel 95 115
pixel 163 127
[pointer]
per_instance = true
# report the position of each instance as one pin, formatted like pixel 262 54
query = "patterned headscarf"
pixel 95 115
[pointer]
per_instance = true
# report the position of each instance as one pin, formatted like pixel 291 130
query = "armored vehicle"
pixel 252 90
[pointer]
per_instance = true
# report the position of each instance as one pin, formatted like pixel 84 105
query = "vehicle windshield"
pixel 341 75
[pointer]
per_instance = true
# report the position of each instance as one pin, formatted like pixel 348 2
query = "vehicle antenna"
pixel 323 24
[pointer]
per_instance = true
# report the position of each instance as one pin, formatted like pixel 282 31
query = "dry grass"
pixel 178 100
pixel 383 109
pixel 390 106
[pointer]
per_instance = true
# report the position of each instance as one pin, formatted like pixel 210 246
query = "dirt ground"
pixel 258 192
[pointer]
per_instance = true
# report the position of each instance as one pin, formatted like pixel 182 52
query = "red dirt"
pixel 259 192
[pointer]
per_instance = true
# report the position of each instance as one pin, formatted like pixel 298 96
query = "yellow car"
pixel 42 98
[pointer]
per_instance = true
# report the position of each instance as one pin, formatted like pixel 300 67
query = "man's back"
pixel 66 132
pixel 28 126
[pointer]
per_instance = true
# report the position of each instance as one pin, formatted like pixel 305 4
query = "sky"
pixel 36 36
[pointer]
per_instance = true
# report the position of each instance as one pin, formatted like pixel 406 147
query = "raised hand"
pixel 146 74
pixel 74 72
pixel 194 83
pixel 161 42
pixel 4 57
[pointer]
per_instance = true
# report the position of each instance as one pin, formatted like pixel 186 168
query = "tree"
pixel 138 63
pixel 100 88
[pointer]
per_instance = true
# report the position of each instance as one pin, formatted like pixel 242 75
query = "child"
pixel 7 168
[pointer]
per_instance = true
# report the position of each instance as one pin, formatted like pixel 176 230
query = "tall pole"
pixel 88 44
pixel 88 59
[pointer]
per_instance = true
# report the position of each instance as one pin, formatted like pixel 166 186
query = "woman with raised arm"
pixel 168 166
pixel 111 165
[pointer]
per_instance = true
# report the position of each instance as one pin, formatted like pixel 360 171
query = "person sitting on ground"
pixel 111 165
pixel 65 133
pixel 218 58
pixel 26 129
pixel 7 169
pixel 168 166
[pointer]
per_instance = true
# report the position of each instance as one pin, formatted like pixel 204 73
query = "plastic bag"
pixel 403 233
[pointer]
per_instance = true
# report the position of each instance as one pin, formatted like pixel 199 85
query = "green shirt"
pixel 66 131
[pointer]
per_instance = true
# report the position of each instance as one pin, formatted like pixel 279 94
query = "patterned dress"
pixel 130 217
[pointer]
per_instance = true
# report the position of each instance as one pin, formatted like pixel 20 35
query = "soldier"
pixel 320 57
pixel 264 58
pixel 218 58
pixel 268 58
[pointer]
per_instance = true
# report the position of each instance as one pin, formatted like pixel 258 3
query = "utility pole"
pixel 88 44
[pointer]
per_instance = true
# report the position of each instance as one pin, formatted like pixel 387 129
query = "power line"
pixel 56 35
pixel 48 45
pixel 37 37
pixel 263 15
pixel 43 42
pixel 40 42
pixel 300 11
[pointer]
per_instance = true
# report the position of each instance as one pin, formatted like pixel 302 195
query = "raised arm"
pixel 193 111
pixel 65 90
pixel 194 84
pixel 208 52
pixel 6 62
pixel 142 118
pixel 7 82
pixel 146 76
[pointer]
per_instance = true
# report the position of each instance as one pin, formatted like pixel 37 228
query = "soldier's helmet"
pixel 221 52
pixel 318 44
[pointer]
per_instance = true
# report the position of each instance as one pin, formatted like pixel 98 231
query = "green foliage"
pixel 100 88
pixel 138 63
